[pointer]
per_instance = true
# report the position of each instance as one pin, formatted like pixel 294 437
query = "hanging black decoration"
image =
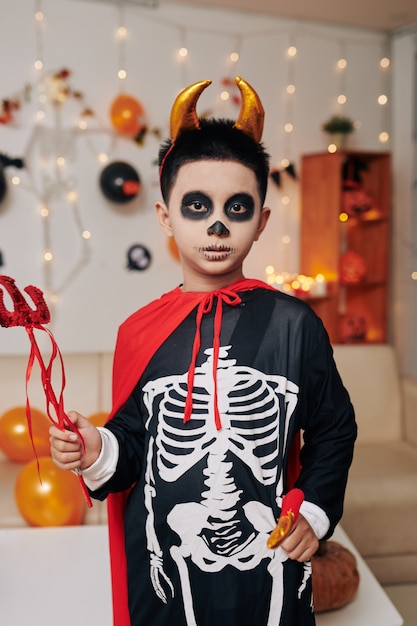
pixel 138 257
pixel 290 169
pixel 276 177
pixel 120 182
pixel 5 161
pixel 3 185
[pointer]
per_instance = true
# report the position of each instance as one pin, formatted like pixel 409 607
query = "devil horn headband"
pixel 184 116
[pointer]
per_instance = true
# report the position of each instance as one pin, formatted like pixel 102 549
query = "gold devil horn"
pixel 183 112
pixel 251 115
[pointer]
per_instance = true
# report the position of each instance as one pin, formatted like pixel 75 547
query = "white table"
pixel 55 577
pixel 60 577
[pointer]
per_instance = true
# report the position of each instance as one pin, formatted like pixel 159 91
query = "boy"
pixel 212 385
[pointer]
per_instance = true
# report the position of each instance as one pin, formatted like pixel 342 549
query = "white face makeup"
pixel 215 215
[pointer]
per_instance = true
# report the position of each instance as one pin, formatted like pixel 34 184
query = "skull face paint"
pixel 197 205
pixel 219 229
pixel 206 192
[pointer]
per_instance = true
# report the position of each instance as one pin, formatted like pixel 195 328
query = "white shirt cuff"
pixel 316 517
pixel 104 467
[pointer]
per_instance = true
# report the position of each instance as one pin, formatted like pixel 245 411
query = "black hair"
pixel 216 140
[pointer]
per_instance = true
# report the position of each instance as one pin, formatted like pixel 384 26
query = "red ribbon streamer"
pixel 30 319
pixel 205 306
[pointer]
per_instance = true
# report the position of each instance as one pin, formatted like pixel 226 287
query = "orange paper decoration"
pixel 173 249
pixel 127 115
pixel 54 499
pixel 15 438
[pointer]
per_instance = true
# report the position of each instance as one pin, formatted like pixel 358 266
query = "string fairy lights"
pixel 48 156
pixel 121 37
pixel 282 279
pixel 384 65
pixel 341 70
pixel 39 30
pixel 59 164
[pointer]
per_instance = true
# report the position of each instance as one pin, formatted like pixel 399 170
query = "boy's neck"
pixel 205 284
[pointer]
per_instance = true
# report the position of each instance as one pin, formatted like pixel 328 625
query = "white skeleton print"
pixel 219 530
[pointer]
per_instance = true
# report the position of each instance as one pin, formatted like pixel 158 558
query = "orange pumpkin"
pixel 353 268
pixel 335 577
pixel 353 328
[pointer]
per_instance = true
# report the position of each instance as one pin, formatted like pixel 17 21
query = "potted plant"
pixel 339 127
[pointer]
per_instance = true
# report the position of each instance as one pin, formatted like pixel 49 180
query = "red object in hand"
pixel 290 509
pixel 24 315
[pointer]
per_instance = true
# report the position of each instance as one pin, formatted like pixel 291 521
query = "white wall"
pixel 80 35
pixel 404 224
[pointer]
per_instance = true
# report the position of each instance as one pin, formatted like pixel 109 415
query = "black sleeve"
pixel 328 421
pixel 128 427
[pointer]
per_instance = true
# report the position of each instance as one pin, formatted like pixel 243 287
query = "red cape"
pixel 138 339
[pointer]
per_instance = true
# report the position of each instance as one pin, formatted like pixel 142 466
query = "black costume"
pixel 206 495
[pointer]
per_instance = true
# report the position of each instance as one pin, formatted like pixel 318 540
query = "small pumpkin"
pixel 353 268
pixel 335 577
pixel 356 200
pixel 353 328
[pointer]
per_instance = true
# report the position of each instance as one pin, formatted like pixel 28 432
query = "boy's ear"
pixel 162 214
pixel 263 220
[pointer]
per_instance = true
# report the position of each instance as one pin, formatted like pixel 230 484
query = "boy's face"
pixel 215 215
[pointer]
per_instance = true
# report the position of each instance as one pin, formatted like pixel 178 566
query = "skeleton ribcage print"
pixel 248 431
pixel 249 405
pixel 222 528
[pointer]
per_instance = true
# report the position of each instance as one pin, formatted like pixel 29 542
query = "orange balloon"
pixel 127 115
pixel 56 501
pixel 98 419
pixel 14 434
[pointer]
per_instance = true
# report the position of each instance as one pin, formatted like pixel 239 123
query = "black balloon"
pixel 138 257
pixel 120 182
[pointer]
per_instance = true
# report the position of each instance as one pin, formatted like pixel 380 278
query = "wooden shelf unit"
pixel 351 312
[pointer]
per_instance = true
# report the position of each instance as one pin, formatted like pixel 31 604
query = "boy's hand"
pixel 67 449
pixel 301 543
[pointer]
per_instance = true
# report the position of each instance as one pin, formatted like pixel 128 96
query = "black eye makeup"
pixel 240 207
pixel 196 205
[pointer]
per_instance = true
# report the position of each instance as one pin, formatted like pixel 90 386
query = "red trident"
pixel 24 315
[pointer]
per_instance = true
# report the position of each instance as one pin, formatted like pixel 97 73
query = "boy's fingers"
pixel 63 435
pixel 77 419
pixel 65 455
pixel 62 445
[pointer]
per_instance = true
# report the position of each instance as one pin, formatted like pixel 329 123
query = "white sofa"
pixel 380 515
pixel 381 501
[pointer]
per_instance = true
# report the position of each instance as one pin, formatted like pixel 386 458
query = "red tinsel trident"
pixel 31 319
